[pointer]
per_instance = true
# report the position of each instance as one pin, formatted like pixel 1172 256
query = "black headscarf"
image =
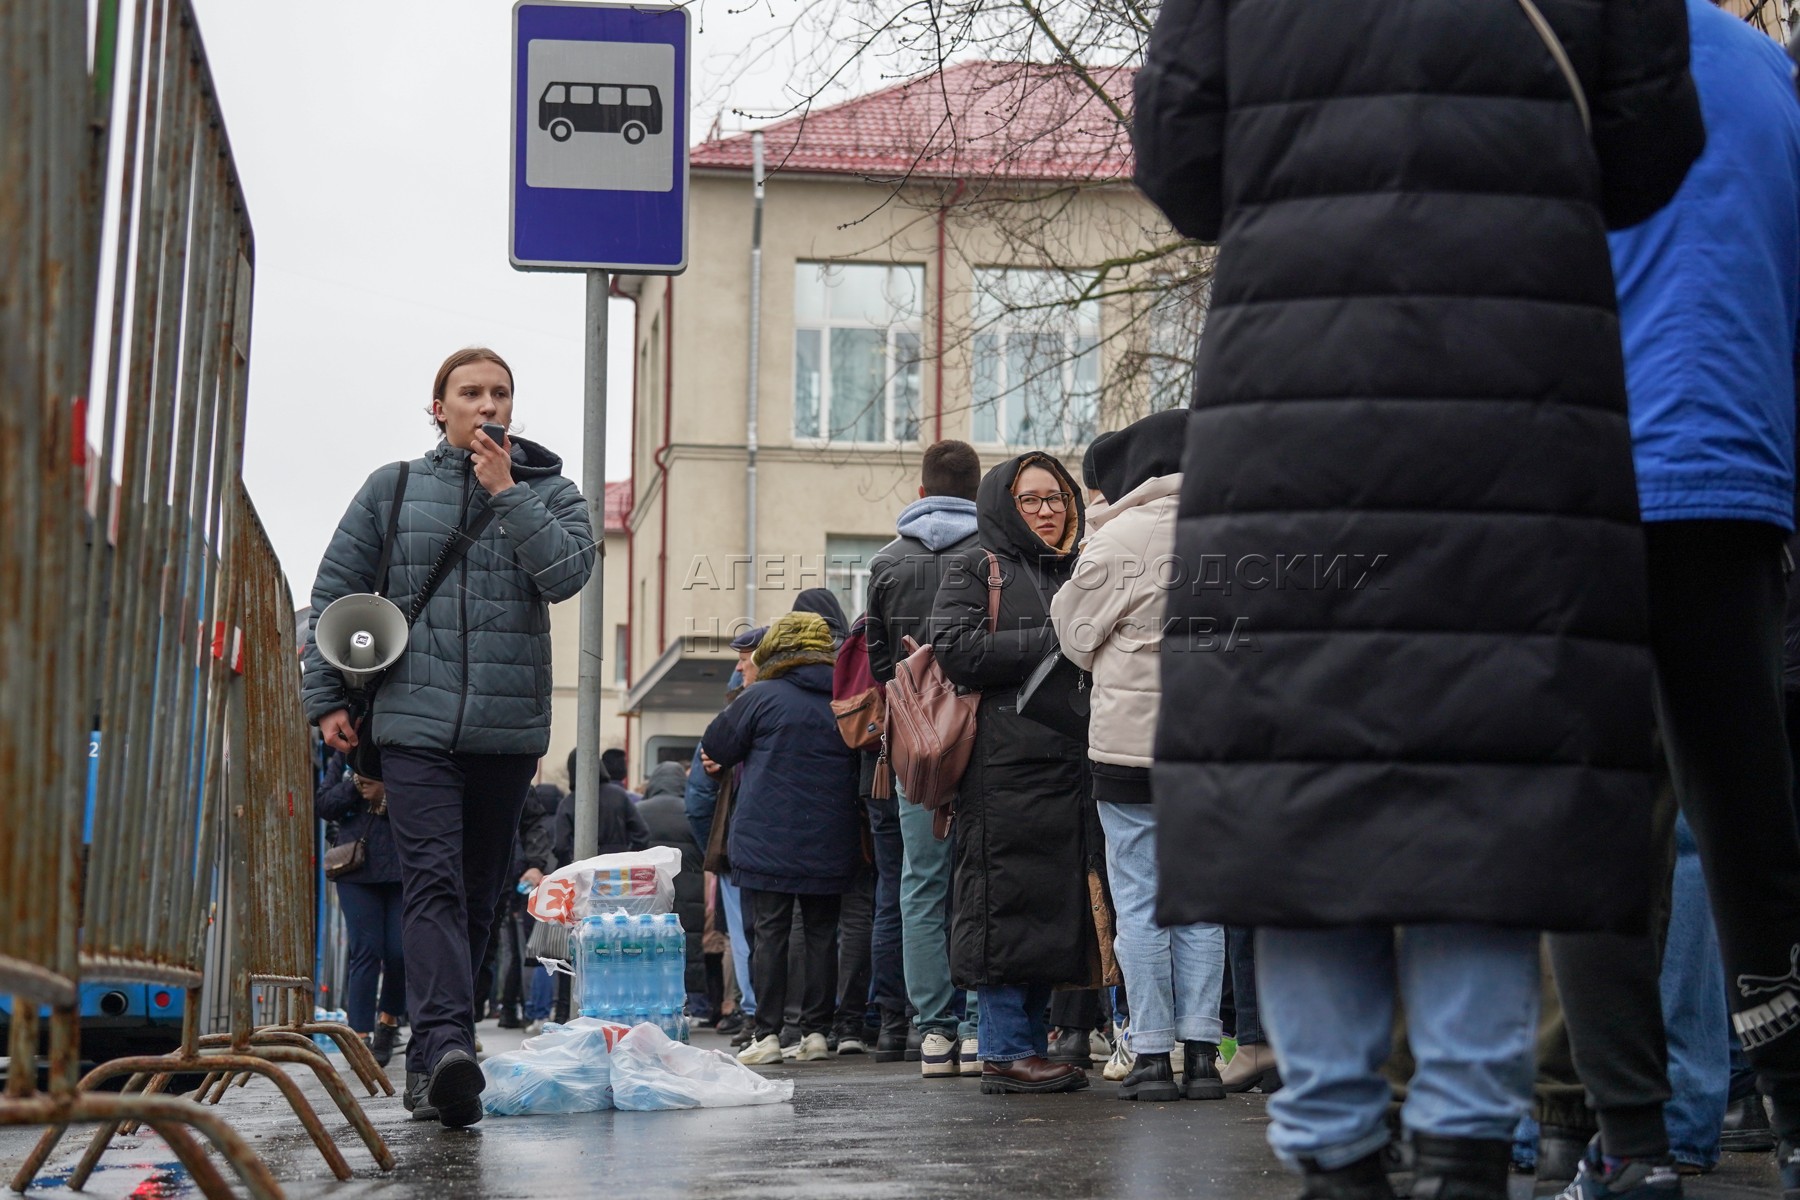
pixel 1003 526
pixel 1123 460
pixel 824 602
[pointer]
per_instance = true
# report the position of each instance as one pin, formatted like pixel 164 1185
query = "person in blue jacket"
pixel 795 840
pixel 1709 307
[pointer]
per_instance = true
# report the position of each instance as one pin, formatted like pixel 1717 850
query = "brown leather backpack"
pixel 930 733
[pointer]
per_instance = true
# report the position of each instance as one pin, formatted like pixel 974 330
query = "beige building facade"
pixel 890 316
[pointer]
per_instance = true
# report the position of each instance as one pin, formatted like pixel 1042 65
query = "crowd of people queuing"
pixel 1474 845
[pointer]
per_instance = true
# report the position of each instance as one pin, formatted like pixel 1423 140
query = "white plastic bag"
pixel 642 881
pixel 652 1072
pixel 566 1069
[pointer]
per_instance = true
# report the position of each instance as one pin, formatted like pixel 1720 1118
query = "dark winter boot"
pixel 1451 1168
pixel 1200 1071
pixel 1560 1151
pixel 1070 1046
pixel 1151 1078
pixel 1363 1179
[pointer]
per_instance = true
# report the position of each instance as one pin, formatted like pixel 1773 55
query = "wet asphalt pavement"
pixel 856 1129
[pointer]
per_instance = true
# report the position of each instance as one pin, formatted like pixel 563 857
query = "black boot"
pixel 1363 1179
pixel 1151 1078
pixel 509 1017
pixel 1452 1168
pixel 1200 1071
pixel 890 1045
pixel 383 1041
pixel 1070 1046
pixel 1560 1150
pixel 1747 1126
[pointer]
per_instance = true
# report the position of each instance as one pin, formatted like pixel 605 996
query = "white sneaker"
pixel 970 1056
pixel 1100 1047
pixel 762 1052
pixel 937 1057
pixel 812 1048
pixel 1122 1060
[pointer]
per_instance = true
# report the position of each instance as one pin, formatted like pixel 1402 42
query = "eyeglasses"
pixel 1056 502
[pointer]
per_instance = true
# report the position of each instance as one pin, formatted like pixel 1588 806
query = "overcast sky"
pixel 372 140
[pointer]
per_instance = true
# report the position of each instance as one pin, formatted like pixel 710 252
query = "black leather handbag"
pixel 1059 694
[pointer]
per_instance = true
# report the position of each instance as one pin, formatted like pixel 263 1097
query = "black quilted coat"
pixel 1408 478
pixel 1025 829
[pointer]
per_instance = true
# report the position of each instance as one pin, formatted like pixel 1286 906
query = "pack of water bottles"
pixel 630 968
pixel 639 882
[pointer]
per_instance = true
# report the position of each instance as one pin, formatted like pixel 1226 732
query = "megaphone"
pixel 362 635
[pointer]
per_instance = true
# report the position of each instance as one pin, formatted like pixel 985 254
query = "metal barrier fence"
pixel 139 597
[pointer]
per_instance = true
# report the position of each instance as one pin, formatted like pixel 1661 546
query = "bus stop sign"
pixel 599 137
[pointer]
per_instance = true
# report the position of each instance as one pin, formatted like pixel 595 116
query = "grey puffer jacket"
pixel 475 677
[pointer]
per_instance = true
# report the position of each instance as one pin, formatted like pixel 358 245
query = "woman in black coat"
pixel 1408 493
pixel 1023 920
pixel 369 896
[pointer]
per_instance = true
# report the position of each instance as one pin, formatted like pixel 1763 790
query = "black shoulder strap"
pixel 452 553
pixel 393 530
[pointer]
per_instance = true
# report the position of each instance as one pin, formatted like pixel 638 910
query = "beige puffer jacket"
pixel 1109 616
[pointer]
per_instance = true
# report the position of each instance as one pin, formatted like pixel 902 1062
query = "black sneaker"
pixel 455 1090
pixel 744 1036
pixel 730 1024
pixel 509 1017
pixel 383 1042
pixel 1747 1126
pixel 1632 1179
pixel 1560 1151
pixel 847 1039
pixel 1200 1071
pixel 417 1083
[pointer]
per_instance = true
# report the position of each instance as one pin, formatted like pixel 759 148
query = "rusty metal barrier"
pixel 139 597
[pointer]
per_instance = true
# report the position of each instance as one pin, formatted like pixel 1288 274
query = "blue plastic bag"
pixel 566 1069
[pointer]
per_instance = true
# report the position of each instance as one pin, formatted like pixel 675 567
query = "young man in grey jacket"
pixel 464 715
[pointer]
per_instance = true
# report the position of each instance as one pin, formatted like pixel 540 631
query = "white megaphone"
pixel 361 635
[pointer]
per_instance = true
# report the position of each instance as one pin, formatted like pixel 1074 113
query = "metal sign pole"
pixel 586 784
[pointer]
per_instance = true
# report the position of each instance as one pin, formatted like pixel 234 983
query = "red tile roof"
pixel 618 504
pixel 977 120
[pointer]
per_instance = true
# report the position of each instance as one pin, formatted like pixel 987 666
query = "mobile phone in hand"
pixel 496 432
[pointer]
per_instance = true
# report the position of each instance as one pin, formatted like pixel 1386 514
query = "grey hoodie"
pixel 475 677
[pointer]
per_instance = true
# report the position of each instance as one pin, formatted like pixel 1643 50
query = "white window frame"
pixel 841 565
pixel 898 368
pixel 993 320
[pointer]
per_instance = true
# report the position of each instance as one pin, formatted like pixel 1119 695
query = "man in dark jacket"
pixel 665 820
pixel 794 842
pixel 621 828
pixel 1410 389
pixel 903 584
pixel 1709 300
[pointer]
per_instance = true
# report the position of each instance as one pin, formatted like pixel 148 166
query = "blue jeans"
pixel 1694 1014
pixel 925 928
pixel 1174 976
pixel 1471 996
pixel 732 901
pixel 1015 1022
pixel 540 996
pixel 372 926
pixel 1240 958
pixel 887 958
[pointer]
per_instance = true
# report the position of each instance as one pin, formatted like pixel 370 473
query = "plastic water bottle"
pixel 672 941
pixel 635 964
pixel 616 1000
pixel 594 956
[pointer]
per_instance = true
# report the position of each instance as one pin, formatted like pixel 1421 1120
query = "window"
pixel 581 93
pixel 640 97
pixel 621 653
pixel 1036 359
pixel 611 95
pixel 556 93
pixel 856 351
pixel 847 569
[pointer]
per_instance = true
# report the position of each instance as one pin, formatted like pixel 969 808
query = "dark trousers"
pixel 1077 1008
pixel 515 931
pixel 856 934
pixel 372 926
pixel 1717 599
pixel 492 971
pixel 454 818
pixel 773 914
pixel 1238 1008
pixel 885 949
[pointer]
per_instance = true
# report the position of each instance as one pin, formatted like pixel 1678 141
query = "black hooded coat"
pixel 1025 828
pixel 1408 472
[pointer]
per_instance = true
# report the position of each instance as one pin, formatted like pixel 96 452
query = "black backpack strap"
pixel 448 557
pixel 393 530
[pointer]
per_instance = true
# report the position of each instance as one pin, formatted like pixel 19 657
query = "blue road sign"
pixel 599 137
